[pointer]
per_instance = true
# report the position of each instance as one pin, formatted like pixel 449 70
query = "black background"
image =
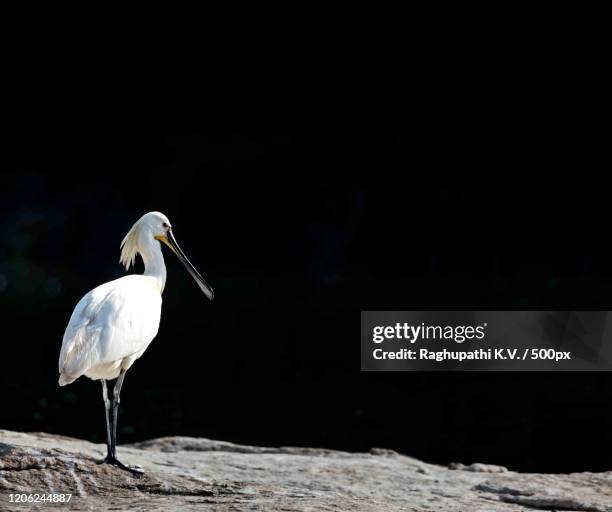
pixel 300 221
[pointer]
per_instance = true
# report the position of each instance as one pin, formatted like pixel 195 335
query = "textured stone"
pixel 185 473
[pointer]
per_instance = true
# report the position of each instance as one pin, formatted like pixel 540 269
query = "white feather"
pixel 109 324
pixel 129 247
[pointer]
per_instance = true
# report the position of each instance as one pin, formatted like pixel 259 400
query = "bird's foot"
pixel 136 470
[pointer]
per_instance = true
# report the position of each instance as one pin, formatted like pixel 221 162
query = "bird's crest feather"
pixel 129 247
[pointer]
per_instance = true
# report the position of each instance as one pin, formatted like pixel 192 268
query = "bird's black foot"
pixel 136 470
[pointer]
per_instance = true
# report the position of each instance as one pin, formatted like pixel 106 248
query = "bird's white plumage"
pixel 110 328
pixel 113 324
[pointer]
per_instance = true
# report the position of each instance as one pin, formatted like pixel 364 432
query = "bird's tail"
pixel 65 379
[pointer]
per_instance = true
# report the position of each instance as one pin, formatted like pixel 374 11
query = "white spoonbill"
pixel 113 324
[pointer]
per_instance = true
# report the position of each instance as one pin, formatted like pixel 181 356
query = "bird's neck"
pixel 153 259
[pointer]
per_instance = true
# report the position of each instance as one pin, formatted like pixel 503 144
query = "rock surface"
pixel 199 474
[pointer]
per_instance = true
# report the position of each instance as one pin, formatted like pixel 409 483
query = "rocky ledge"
pixel 184 473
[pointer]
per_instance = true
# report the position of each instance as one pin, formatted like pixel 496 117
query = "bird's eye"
pixel 165 224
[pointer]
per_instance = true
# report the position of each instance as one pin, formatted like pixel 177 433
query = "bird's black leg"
pixel 111 457
pixel 116 400
pixel 107 407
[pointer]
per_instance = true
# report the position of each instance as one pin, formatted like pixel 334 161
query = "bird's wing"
pixel 110 322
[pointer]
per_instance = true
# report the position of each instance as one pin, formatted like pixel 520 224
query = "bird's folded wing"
pixel 107 325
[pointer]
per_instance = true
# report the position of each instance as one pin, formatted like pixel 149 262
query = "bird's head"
pixel 156 226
